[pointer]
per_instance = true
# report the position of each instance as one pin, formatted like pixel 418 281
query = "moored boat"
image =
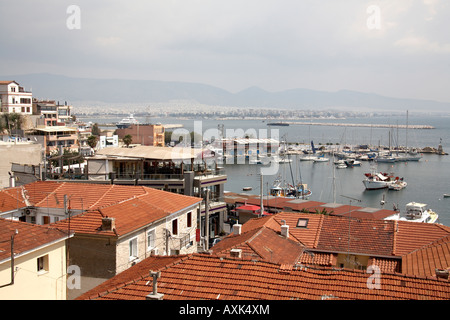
pixel 379 180
pixel 397 185
pixel 288 191
pixel 126 122
pixel 418 212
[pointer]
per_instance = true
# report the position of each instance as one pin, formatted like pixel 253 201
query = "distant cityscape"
pixel 187 110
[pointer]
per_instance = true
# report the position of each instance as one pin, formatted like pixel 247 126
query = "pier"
pixel 400 126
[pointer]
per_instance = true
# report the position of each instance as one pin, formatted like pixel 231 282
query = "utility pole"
pixel 12 260
pixel 207 219
pixel 349 223
pixel 261 196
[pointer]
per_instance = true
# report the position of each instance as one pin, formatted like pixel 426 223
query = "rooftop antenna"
pixel 349 223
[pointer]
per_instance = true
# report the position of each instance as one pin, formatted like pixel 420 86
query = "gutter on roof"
pixel 18 255
pixel 355 253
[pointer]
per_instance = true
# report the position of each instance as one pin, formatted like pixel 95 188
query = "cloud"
pixel 422 45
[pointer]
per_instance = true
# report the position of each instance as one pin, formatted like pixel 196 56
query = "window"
pixel 189 219
pixel 175 227
pixel 151 237
pixel 133 249
pixel 302 223
pixel 42 264
pixel 45 220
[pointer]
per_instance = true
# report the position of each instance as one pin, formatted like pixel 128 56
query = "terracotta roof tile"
pixel 367 236
pixel 426 260
pixel 29 237
pixel 261 244
pixel 210 277
pixel 137 210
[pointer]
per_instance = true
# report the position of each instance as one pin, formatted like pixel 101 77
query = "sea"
pixel 428 179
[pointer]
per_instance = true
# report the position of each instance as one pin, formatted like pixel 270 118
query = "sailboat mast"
pixel 406 145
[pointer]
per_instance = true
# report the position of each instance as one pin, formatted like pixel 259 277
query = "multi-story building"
pixel 53 114
pixel 178 170
pixel 37 267
pixel 15 99
pixel 114 227
pixel 54 137
pixel 144 134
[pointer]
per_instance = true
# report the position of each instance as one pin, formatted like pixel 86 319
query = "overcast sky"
pixel 404 51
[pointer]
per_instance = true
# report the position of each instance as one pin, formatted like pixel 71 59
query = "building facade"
pixel 144 134
pixel 15 99
pixel 38 268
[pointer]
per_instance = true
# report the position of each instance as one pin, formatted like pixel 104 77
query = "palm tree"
pixel 127 140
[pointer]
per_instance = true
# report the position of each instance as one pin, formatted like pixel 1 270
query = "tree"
pixel 127 140
pixel 92 141
pixel 95 130
pixel 11 121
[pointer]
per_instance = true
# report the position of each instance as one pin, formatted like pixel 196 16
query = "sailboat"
pixel 410 155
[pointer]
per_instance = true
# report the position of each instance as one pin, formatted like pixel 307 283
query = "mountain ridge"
pixel 60 87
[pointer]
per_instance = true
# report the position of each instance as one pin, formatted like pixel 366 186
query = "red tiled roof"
pixel 371 237
pixel 130 214
pixel 11 199
pixel 140 270
pixel 29 237
pixel 210 277
pixel 318 258
pixel 260 244
pixel 426 260
pixel 412 235
pixel 366 236
pixel 290 204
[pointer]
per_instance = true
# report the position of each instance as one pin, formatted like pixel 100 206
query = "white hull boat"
pixel 378 180
pixel 417 212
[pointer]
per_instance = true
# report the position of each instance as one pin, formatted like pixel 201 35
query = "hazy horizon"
pixel 397 48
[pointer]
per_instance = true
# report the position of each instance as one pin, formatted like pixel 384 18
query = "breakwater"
pixel 400 126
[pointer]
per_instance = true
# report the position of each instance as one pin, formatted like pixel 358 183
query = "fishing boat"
pixel 446 195
pixel 379 180
pixel 280 189
pixel 126 122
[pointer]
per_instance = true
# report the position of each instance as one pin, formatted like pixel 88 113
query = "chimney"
pixel 236 253
pixel 155 295
pixel 442 273
pixel 237 228
pixel 108 224
pixel 285 231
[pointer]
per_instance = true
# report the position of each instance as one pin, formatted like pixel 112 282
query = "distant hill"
pixel 62 88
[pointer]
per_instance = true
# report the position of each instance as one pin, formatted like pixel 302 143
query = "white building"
pixel 15 99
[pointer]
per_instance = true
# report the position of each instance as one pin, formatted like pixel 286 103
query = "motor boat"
pixel 417 212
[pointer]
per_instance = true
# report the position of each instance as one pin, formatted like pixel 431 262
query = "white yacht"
pixel 417 212
pixel 126 122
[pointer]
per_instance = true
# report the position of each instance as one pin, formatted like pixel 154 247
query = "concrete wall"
pixel 23 153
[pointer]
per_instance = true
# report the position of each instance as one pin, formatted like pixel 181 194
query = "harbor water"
pixel 428 179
